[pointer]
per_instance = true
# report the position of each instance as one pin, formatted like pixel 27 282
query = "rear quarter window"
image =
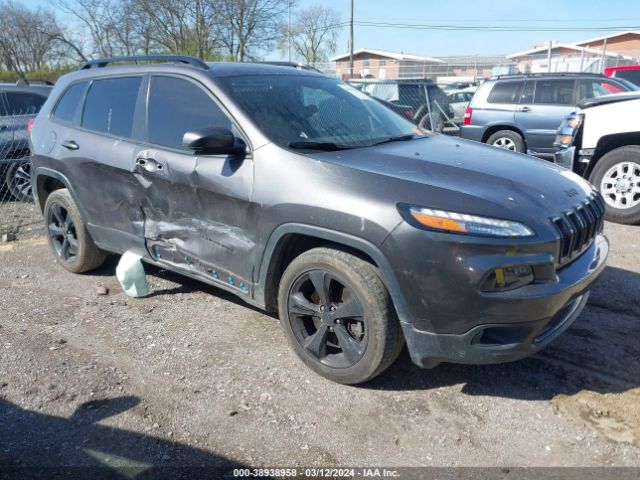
pixel 110 106
pixel 69 102
pixel 505 92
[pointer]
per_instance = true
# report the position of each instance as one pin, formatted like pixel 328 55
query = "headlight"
pixel 468 224
pixel 574 121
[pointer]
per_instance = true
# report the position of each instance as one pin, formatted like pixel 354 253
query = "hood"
pixel 471 177
pixel 613 98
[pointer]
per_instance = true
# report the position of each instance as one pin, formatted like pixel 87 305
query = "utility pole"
pixel 351 44
pixel 549 55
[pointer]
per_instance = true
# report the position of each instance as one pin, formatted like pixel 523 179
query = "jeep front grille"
pixel 578 227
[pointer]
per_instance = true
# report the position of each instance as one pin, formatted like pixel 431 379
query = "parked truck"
pixel 601 142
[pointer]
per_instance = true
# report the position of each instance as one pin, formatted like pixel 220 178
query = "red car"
pixel 630 73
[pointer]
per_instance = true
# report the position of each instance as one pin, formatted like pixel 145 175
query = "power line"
pixel 493 28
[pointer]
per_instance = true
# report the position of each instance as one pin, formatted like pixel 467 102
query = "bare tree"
pixel 97 17
pixel 29 39
pixel 249 27
pixel 314 33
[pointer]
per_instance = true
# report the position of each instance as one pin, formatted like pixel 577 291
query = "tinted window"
pixel 554 92
pixel 68 104
pixel 24 103
pixel 631 75
pixel 597 87
pixel 505 92
pixel 177 106
pixel 110 106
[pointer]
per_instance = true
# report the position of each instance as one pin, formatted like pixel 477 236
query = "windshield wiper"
pixel 327 146
pixel 396 138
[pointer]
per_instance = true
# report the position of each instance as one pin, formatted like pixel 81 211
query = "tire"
pixel 507 140
pixel 617 176
pixel 438 121
pixel 347 349
pixel 18 180
pixel 67 234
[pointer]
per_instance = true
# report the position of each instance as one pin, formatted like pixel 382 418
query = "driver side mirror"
pixel 213 141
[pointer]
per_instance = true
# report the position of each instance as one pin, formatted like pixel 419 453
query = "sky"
pixel 563 14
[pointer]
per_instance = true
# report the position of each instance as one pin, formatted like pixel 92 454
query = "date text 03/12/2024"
pixel 316 472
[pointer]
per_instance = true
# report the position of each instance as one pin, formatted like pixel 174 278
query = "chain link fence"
pixel 18 213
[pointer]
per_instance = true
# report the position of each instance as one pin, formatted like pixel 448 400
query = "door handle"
pixel 149 164
pixel 70 145
pixel 525 109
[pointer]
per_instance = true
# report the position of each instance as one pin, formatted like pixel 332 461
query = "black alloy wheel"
pixel 62 232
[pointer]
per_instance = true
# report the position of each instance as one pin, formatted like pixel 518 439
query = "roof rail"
pixel 299 66
pixel 103 62
pixel 551 74
pixel 23 82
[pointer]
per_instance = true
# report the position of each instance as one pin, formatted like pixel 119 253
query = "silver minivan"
pixel 522 112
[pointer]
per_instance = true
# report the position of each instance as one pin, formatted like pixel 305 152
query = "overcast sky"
pixel 563 14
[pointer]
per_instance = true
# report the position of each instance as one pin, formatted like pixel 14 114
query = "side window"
pixel 68 104
pixel 505 92
pixel 632 75
pixel 554 92
pixel 110 105
pixel 177 106
pixel 22 103
pixel 527 92
pixel 596 87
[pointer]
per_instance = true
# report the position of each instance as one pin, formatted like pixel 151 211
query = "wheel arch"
pixel 290 240
pixel 45 181
pixel 609 143
pixel 490 130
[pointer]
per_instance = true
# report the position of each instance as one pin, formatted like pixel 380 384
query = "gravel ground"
pixel 192 376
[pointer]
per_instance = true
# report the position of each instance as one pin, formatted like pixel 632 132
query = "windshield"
pixel 301 111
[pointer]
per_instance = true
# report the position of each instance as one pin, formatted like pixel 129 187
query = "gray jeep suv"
pixel 523 112
pixel 302 195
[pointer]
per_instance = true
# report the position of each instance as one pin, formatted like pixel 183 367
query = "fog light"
pixel 508 278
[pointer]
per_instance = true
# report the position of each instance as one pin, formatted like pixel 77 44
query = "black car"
pixel 428 104
pixel 302 195
pixel 19 103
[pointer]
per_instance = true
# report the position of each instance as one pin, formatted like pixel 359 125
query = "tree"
pixel 29 39
pixel 314 33
pixel 249 27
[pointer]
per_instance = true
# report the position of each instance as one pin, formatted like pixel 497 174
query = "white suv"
pixel 601 142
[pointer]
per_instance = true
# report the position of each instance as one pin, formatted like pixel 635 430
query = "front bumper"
pixel 537 319
pixel 565 157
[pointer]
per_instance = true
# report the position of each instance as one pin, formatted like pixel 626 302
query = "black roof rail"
pixel 188 60
pixel 23 82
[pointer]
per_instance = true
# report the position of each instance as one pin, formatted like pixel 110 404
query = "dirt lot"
pixel 191 376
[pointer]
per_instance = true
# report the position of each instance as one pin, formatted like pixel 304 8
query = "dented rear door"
pixel 197 208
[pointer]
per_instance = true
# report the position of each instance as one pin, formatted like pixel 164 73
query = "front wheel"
pixel 338 316
pixel 617 177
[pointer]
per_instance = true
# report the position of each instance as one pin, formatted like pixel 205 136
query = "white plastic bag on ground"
pixel 130 274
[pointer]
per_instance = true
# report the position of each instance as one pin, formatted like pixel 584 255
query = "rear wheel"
pixel 617 176
pixel 18 180
pixel 338 316
pixel 508 140
pixel 68 237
